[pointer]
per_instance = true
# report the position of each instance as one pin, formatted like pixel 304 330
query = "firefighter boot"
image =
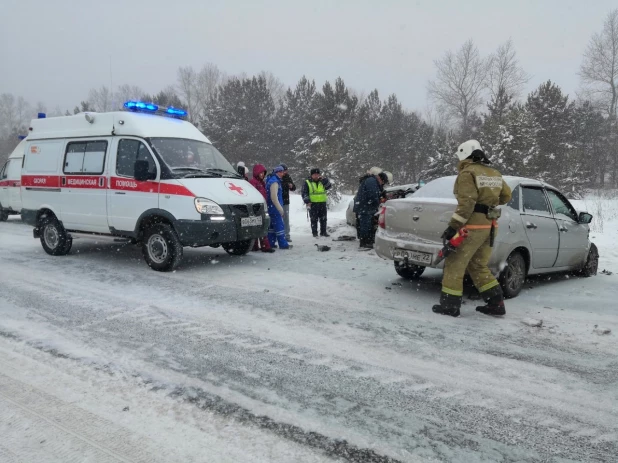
pixel 495 302
pixel 449 305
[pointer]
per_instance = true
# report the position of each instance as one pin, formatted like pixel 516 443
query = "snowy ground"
pixel 299 356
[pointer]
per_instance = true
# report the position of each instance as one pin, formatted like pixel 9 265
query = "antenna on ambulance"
pixel 111 83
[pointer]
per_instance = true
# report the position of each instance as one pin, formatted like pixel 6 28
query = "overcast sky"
pixel 55 51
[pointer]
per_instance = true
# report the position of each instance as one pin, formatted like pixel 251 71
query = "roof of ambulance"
pixel 120 122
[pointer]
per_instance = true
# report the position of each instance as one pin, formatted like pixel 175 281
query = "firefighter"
pixel 479 188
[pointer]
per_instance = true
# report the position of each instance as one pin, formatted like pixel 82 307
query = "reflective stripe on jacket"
pixel 317 192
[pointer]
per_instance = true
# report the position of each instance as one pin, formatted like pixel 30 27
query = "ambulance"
pixel 10 181
pixel 144 174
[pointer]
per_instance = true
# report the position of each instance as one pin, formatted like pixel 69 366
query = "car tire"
pixel 238 248
pixel 410 272
pixel 161 247
pixel 513 276
pixel 54 238
pixel 591 266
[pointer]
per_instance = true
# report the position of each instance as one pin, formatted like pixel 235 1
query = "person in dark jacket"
pixel 366 206
pixel 314 196
pixel 274 198
pixel 259 172
pixel 288 185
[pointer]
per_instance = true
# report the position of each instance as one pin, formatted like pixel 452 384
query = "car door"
pixel 540 225
pixel 129 198
pixel 83 193
pixel 573 235
pixel 4 185
pixel 13 171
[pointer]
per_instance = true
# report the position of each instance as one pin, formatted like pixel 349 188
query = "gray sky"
pixel 55 51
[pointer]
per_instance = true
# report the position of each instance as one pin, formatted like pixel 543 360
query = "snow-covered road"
pixel 296 356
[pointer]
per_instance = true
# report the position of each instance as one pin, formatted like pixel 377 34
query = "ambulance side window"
pixel 130 151
pixel 85 157
pixel 4 171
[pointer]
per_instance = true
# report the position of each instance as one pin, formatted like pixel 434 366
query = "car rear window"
pixel 440 188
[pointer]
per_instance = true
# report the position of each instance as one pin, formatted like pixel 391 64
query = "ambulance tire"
pixel 161 247
pixel 238 248
pixel 410 272
pixel 54 238
pixel 4 215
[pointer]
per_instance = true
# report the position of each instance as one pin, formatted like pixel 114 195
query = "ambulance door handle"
pixel 531 225
pixel 119 192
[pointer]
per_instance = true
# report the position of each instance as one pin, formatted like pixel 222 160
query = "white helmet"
pixel 374 171
pixel 389 176
pixel 467 148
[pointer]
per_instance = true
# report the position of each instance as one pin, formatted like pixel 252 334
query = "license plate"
pixel 250 221
pixel 413 256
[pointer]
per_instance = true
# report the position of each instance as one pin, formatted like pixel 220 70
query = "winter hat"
pixel 389 176
pixel 374 170
pixel 284 166
pixel 315 170
pixel 278 169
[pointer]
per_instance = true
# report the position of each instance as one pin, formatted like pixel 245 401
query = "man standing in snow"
pixel 314 196
pixel 478 189
pixel 288 185
pixel 274 189
pixel 366 206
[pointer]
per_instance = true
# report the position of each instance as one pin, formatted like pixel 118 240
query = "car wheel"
pixel 513 276
pixel 161 247
pixel 592 263
pixel 238 248
pixel 54 238
pixel 410 272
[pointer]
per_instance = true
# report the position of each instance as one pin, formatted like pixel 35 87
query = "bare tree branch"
pixel 460 82
pixel 505 72
pixel 599 70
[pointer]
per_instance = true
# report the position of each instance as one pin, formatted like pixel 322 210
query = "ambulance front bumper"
pixel 227 229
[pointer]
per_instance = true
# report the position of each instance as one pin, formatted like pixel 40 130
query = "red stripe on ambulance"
pixel 41 181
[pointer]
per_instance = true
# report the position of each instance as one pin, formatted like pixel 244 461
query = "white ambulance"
pixel 144 174
pixel 10 181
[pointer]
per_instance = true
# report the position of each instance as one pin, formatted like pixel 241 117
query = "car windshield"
pixel 440 188
pixel 185 155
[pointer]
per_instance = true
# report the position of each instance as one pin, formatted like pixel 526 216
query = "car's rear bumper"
pixel 386 245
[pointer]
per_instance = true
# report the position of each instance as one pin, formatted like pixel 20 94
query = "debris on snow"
pixel 322 247
pixel 606 272
pixel 601 331
pixel 532 322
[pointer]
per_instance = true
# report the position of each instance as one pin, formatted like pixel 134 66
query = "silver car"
pixel 539 232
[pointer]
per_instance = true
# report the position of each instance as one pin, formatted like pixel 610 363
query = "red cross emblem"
pixel 235 188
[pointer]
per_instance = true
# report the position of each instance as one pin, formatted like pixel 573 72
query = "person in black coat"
pixel 287 186
pixel 366 206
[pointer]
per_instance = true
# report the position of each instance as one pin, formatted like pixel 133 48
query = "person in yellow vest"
pixel 315 197
pixel 478 189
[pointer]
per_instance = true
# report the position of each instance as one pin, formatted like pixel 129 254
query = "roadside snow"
pixel 297 356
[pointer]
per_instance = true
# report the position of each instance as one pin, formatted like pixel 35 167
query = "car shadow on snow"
pixel 106 252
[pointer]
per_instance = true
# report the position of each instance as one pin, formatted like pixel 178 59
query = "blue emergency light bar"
pixel 140 106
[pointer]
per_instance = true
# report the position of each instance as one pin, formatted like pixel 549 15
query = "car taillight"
pixel 382 217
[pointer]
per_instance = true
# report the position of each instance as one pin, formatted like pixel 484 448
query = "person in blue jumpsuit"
pixel 274 199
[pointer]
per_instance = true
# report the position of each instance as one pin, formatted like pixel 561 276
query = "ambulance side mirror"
pixel 141 173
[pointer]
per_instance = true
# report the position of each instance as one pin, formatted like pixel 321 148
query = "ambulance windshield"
pixel 191 155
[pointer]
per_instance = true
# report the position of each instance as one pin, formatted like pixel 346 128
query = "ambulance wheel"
pixel 513 276
pixel 54 238
pixel 411 272
pixel 238 248
pixel 161 247
pixel 4 215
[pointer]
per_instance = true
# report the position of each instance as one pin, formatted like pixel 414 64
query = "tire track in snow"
pixel 70 433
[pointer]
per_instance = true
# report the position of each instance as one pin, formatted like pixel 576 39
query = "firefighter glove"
pixel 449 233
